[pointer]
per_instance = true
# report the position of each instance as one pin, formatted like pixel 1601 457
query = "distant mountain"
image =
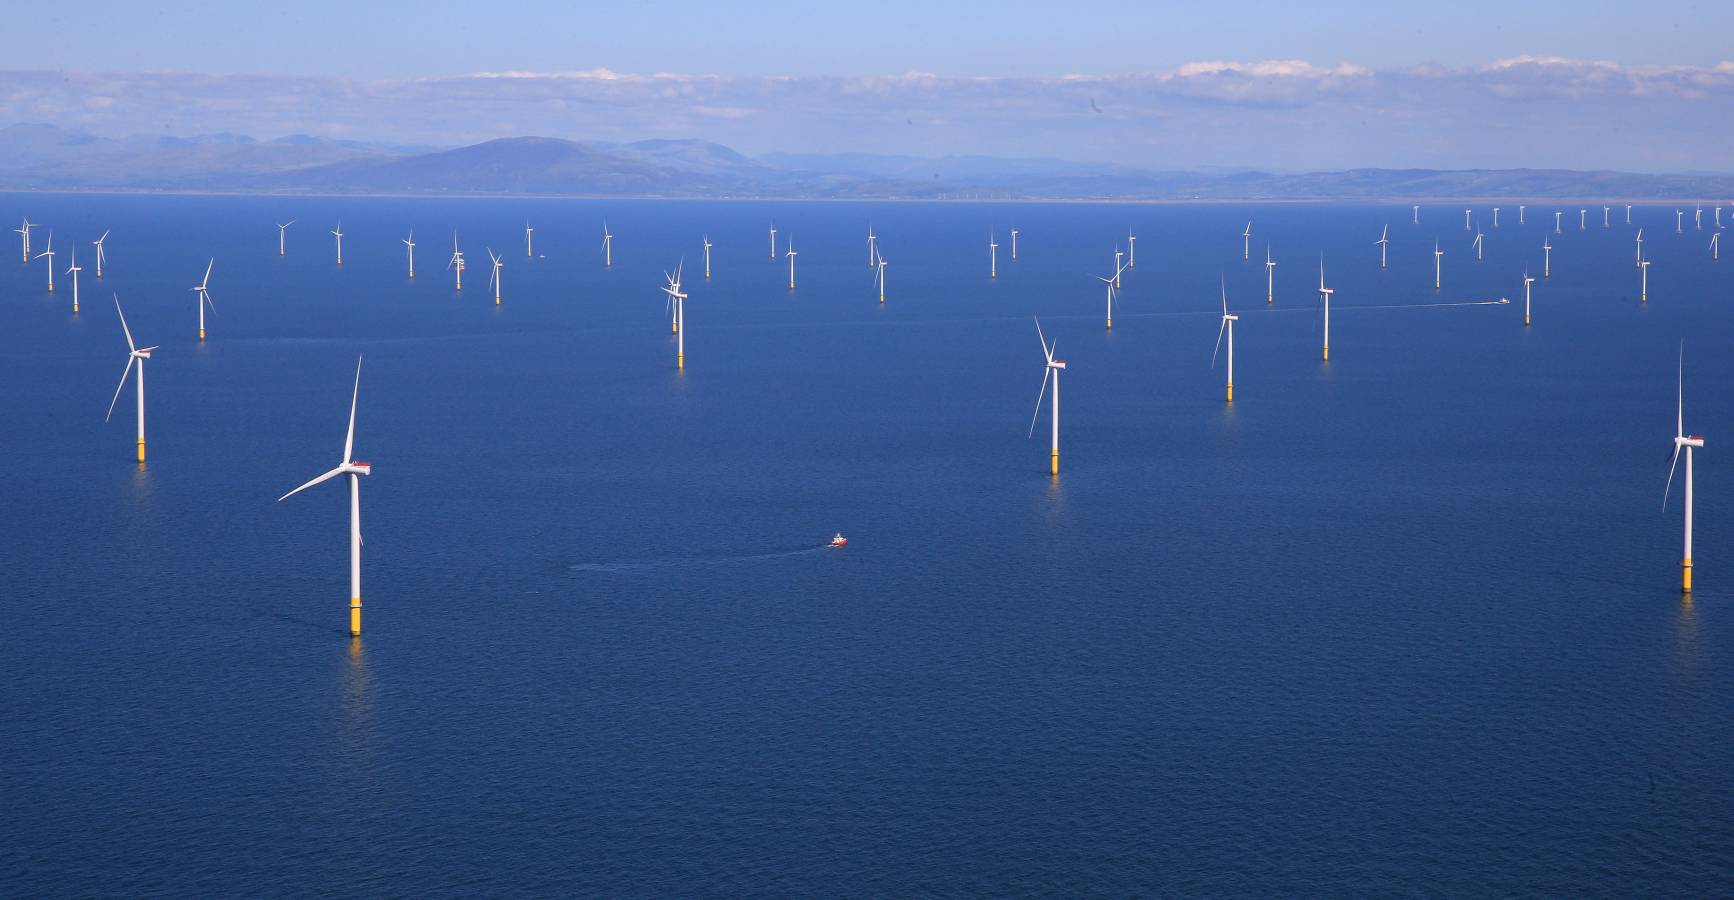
pixel 46 157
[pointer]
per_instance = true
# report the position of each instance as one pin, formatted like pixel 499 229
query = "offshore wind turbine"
pixel 204 298
pixel 1546 258
pixel 1014 246
pixel 75 269
pixel 1054 368
pixel 354 470
pixel 1679 222
pixel 1246 241
pixel 1384 242
pixel 339 233
pixel 1556 217
pixel 1605 211
pixel 494 279
pixel 409 245
pixel 528 231
pixel 1466 220
pixel 24 232
pixel 1687 442
pixel 881 278
pixel 1112 291
pixel 1698 217
pixel 677 302
pixel 1628 214
pixel 773 242
pixel 1528 280
pixel 1416 212
pixel 1520 208
pixel 872 246
pixel 1718 217
pixel 1228 320
pixel 49 254
pixel 1639 259
pixel 1131 250
pixel 791 256
pixel 708 245
pixel 1117 268
pixel 282 240
pixel 1269 276
pixel 456 263
pixel 138 355
pixel 1715 254
pixel 992 256
pixel 607 246
pixel 1581 214
pixel 101 256
pixel 1438 255
pixel 1496 217
pixel 1325 298
pixel 1477 245
pixel 1644 282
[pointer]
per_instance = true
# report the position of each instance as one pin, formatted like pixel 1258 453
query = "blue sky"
pixel 1467 83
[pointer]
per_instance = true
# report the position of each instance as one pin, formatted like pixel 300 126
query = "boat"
pixel 839 540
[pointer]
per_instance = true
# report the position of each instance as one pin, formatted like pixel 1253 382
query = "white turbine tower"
pixel 791 264
pixel 528 231
pixel 1014 247
pixel 75 269
pixel 1520 209
pixel 1228 320
pixel 1638 260
pixel 1528 280
pixel 1246 241
pixel 1466 220
pixel 138 355
pixel 1715 254
pixel 1131 250
pixel 1117 267
pixel 1416 212
pixel 1644 282
pixel 282 239
pixel 1698 217
pixel 1325 298
pixel 992 256
pixel 677 307
pixel 1384 242
pixel 49 254
pixel 409 247
pixel 1628 214
pixel 204 299
pixel 1269 276
pixel 872 247
pixel 1438 257
pixel 1546 258
pixel 1679 222
pixel 707 246
pixel 339 233
pixel 1108 282
pixel 1687 442
pixel 23 232
pixel 1054 368
pixel 1582 215
pixel 1496 217
pixel 101 255
pixel 1477 245
pixel 456 263
pixel 1605 211
pixel 607 246
pixel 773 242
pixel 1556 219
pixel 494 279
pixel 354 470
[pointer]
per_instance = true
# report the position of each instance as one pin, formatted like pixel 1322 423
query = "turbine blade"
pixel 1669 486
pixel 1220 329
pixel 1046 351
pixel 1680 396
pixel 326 477
pixel 117 388
pixel 130 346
pixel 349 440
pixel 1039 397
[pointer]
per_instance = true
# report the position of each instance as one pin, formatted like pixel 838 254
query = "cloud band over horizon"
pixel 1528 111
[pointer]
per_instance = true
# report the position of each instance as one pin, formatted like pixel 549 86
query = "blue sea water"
pixel 1403 622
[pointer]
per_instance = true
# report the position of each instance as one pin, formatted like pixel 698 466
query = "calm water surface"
pixel 1403 622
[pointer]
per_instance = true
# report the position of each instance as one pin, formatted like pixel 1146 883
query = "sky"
pixel 1587 84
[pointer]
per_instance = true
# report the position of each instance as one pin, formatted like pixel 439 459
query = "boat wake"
pixel 709 559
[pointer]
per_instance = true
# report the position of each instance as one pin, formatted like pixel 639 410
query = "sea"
pixel 1403 622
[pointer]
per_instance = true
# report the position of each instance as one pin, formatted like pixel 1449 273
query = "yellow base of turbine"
pixel 141 449
pixel 75 309
pixel 1054 463
pixel 1110 325
pixel 1526 320
pixel 1327 353
pixel 496 301
pixel 51 289
pixel 1231 392
pixel 673 328
pixel 1686 576
pixel 201 335
pixel 680 361
pixel 355 617
pixel 1643 298
pixel 1269 298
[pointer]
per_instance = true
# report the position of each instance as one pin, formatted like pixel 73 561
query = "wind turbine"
pixel 1112 291
pixel 1546 258
pixel 1581 214
pixel 354 470
pixel 1688 442
pixel 707 246
pixel 75 269
pixel 282 240
pixel 1228 320
pixel 992 256
pixel 677 300
pixel 791 264
pixel 24 232
pixel 527 232
pixel 1605 211
pixel 101 256
pixel 882 278
pixel 872 247
pixel 1117 268
pixel 1528 280
pixel 1496 217
pixel 456 263
pixel 1054 368
pixel 1269 276
pixel 49 253
pixel 1438 257
pixel 138 355
pixel 1679 222
pixel 1417 214
pixel 339 234
pixel 1520 209
pixel 1628 214
pixel 1466 220
pixel 494 279
pixel 1715 254
pixel 1639 259
pixel 1384 244
pixel 607 246
pixel 1325 298
pixel 773 242
pixel 1698 217
pixel 1477 245
pixel 1015 245
pixel 1644 282
pixel 1246 241
pixel 1131 250
pixel 409 245
pixel 1718 217
pixel 1556 217
pixel 203 290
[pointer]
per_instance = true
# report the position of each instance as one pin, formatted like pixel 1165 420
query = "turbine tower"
pixel 882 278
pixel 872 247
pixel 339 233
pixel 409 246
pixel 1269 276
pixel 1687 442
pixel 354 470
pixel 494 279
pixel 992 256
pixel 49 254
pixel 1228 320
pixel 677 303
pixel 1644 282
pixel 773 242
pixel 1639 259
pixel 1546 258
pixel 1325 298
pixel 607 246
pixel 134 354
pixel 707 246
pixel 1131 250
pixel 282 240
pixel 1054 368
pixel 1438 256
pixel 1528 280
pixel 528 231
pixel 101 256
pixel 1014 247
pixel 203 290
pixel 456 263
pixel 791 264
pixel 1384 242
pixel 1246 241
pixel 74 269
